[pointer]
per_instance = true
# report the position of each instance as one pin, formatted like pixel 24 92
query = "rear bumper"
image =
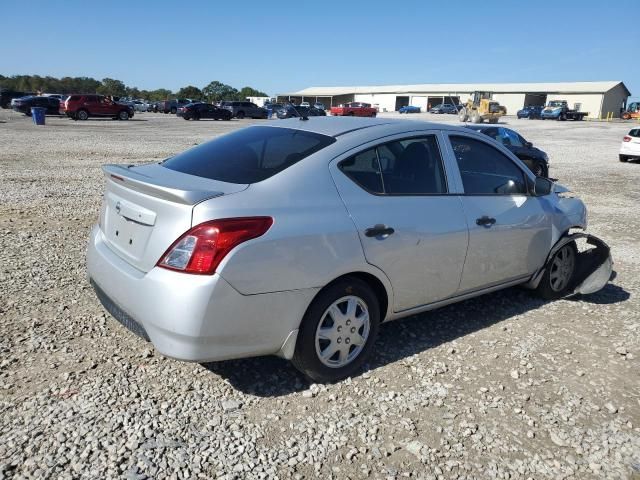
pixel 193 317
pixel 632 149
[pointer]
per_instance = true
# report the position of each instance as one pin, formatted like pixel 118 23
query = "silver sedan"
pixel 299 238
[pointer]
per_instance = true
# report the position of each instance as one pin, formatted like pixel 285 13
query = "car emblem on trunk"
pixel 118 208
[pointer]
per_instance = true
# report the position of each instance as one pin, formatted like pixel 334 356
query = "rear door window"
pixel 412 166
pixel 249 155
pixel 364 170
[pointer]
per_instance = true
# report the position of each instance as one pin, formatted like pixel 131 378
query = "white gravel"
pixel 504 386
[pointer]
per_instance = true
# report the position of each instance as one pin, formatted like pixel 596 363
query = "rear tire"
pixel 557 280
pixel 623 158
pixel 330 311
pixel 174 110
pixel 240 115
pixel 82 115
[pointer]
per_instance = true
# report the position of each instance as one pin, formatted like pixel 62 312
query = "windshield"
pixel 249 155
pixel 555 104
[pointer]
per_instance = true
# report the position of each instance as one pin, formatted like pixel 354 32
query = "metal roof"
pixel 562 87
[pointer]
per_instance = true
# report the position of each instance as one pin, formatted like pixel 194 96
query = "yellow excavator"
pixel 481 108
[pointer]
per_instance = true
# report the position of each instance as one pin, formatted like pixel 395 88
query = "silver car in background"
pixel 299 238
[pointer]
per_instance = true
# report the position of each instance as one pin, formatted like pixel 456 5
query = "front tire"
pixel 338 331
pixel 123 115
pixel 462 115
pixel 623 158
pixel 557 280
pixel 240 115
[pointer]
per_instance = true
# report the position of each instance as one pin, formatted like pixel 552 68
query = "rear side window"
pixel 412 166
pixel 485 170
pixel 249 155
pixel 635 133
pixel 74 98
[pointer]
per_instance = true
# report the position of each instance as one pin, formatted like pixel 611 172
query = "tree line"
pixel 212 92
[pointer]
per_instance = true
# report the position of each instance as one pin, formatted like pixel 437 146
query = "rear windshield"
pixel 249 155
pixel 635 132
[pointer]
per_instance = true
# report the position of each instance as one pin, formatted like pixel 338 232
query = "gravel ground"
pixel 502 386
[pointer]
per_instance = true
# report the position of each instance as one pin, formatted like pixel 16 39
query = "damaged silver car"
pixel 301 237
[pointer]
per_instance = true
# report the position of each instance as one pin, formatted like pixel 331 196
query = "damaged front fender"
pixel 594 266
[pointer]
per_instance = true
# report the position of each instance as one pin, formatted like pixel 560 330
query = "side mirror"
pixel 542 187
pixel 528 144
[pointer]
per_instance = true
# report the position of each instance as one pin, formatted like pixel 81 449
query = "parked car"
pixel 289 111
pixel 531 112
pixel 535 159
pixel 354 109
pixel 6 96
pixel 171 106
pixel 140 106
pixel 319 106
pixel 409 109
pixel 300 238
pixel 198 110
pixel 244 109
pixel 630 148
pixel 305 104
pixel 81 107
pixel 444 108
pixel 24 104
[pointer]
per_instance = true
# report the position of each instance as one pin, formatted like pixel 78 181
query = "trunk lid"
pixel 146 208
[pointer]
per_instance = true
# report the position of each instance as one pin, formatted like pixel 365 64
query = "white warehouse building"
pixel 599 99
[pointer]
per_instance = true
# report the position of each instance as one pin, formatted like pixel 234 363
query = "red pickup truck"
pixel 355 109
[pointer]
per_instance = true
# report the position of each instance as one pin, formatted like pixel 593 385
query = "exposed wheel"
pixel 625 116
pixel 174 110
pixel 559 272
pixel 240 115
pixel 338 331
pixel 82 115
pixel 476 118
pixel 462 115
pixel 123 115
pixel 373 115
pixel 623 158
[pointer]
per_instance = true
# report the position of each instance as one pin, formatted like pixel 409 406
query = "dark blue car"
pixel 530 112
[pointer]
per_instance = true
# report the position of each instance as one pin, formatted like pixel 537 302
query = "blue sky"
pixel 280 46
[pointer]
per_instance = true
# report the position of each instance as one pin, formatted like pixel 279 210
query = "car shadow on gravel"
pixel 273 377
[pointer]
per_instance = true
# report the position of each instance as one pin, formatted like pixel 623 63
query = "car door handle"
pixel 485 221
pixel 379 230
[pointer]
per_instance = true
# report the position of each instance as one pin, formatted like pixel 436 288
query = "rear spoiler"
pixel 159 187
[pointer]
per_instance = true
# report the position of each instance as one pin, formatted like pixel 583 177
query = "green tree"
pixel 159 94
pixel 133 92
pixel 250 92
pixel 112 87
pixel 189 92
pixel 216 91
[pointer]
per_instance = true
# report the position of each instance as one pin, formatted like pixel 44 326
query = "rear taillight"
pixel 201 249
pixel 626 138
